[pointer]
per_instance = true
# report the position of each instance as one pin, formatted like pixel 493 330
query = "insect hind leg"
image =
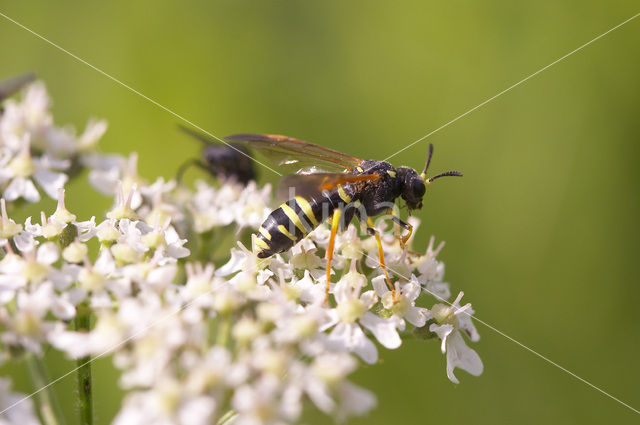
pixel 335 221
pixel 371 230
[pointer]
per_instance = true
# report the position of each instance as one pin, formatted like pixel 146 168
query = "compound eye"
pixel 418 188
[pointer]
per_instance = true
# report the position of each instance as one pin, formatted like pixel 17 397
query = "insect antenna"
pixel 426 166
pixel 445 174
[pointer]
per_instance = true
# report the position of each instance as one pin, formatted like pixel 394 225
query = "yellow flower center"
pixel 22 166
pixel 34 272
pixel 91 280
pixel 351 310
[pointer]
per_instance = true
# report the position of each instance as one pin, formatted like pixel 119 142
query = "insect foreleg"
pixel 188 164
pixel 409 228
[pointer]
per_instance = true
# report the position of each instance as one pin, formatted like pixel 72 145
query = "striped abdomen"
pixel 292 221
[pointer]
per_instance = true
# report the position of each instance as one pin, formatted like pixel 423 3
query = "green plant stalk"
pixel 222 333
pixel 226 417
pixel 85 397
pixel 47 401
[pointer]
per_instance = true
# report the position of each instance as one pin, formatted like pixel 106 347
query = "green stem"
pixel 85 397
pixel 47 401
pixel 222 333
pixel 226 417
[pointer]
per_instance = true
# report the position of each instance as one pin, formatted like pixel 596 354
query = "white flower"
pixel 243 259
pixel 254 336
pixel 94 130
pixel 16 176
pixel 123 207
pixel 27 327
pixel 8 227
pixel 349 243
pixel 304 257
pixel 252 205
pixel 19 408
pixel 10 277
pixel 353 311
pixel 161 206
pixel 165 240
pixel 48 228
pixel 166 403
pixel 28 116
pixel 401 302
pixel 34 268
pixel 449 321
pixel 111 174
pixel 103 281
pixel 215 370
pixel 260 403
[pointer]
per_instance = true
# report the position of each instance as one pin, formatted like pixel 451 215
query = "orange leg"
pixel 399 223
pixel 334 229
pixel 381 257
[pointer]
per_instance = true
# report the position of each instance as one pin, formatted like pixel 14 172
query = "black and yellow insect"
pixel 332 185
pixel 232 161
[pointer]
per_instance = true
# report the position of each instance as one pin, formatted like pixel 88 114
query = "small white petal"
pixel 25 241
pixel 443 331
pixel 105 182
pixel 383 329
pixel 50 181
pixel 234 264
pixel 349 336
pixel 48 253
pixel 355 400
pixel 369 298
pixel 417 316
pixel 105 264
pixel 380 285
pixel 176 251
pixel 461 356
pixel 21 187
pixel 412 289
pixel 86 229
pixel 197 411
pixel 440 290
pixel 75 344
pixel 63 309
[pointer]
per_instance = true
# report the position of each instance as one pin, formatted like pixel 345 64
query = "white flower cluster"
pixel 250 342
pixel 34 150
pixel 20 414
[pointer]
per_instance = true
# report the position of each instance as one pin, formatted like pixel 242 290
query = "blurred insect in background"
pixel 226 162
pixel 330 185
pixel 11 86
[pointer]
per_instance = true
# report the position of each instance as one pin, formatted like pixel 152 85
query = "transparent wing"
pixel 297 154
pixel 310 185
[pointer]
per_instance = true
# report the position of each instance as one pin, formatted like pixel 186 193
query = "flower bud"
pixel 76 252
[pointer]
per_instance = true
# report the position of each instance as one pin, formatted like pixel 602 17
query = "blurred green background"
pixel 542 233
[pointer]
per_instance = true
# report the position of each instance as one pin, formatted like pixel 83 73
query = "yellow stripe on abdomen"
pixel 264 232
pixel 285 232
pixel 294 218
pixel 306 208
pixel 261 244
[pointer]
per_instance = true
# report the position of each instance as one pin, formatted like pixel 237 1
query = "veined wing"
pixel 287 151
pixel 309 185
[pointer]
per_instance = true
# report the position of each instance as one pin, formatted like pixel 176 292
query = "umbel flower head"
pixel 201 329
